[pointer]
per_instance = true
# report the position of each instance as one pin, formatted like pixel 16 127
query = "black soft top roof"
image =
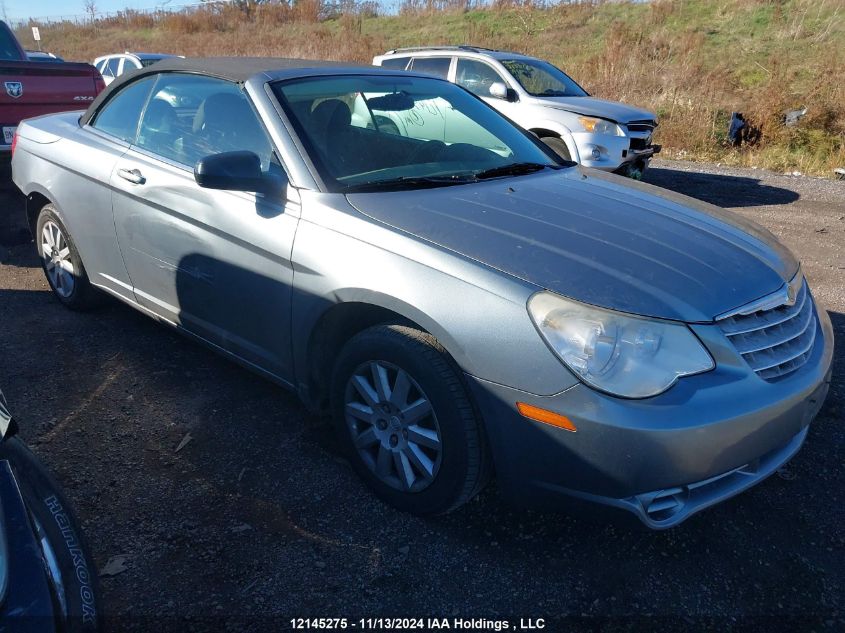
pixel 237 69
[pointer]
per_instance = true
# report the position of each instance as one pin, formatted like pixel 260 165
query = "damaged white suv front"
pixel 541 98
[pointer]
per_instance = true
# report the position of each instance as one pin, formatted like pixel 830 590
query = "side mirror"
pixel 500 91
pixel 237 171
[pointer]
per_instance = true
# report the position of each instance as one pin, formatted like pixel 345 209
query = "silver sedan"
pixel 462 301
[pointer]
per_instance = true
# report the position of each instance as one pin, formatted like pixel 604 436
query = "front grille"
pixel 777 341
pixel 641 126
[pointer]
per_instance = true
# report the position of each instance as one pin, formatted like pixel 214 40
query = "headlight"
pixel 598 126
pixel 625 355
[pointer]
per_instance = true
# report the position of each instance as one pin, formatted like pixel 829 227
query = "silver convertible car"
pixel 464 303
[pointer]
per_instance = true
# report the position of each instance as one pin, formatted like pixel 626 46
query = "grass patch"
pixel 692 61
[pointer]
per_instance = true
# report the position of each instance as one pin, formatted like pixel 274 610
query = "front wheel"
pixel 406 421
pixel 558 146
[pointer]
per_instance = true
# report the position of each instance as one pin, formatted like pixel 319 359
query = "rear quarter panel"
pixel 71 166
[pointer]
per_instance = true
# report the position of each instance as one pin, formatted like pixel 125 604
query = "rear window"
pixel 8 48
pixel 395 63
pixel 119 116
pixel 437 66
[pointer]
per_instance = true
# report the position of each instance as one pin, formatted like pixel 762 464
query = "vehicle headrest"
pixel 160 116
pixel 220 111
pixel 331 115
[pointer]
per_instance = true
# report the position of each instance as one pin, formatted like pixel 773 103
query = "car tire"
pixel 445 449
pixel 558 146
pixel 54 521
pixel 62 264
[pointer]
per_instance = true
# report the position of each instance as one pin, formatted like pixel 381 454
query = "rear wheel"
pixel 558 146
pixel 62 264
pixel 405 419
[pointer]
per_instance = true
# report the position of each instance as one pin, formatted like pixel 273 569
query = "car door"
pixel 437 66
pixel 215 262
pixel 477 77
pixel 86 201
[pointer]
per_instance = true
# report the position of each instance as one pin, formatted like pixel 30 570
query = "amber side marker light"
pixel 545 416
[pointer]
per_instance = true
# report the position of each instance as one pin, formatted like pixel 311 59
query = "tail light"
pixel 14 144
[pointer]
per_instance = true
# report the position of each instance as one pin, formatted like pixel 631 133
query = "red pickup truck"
pixel 29 89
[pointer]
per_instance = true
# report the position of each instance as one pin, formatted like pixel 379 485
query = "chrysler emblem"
pixel 14 89
pixel 786 296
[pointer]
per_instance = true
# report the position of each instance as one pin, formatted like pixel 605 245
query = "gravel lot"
pixel 257 519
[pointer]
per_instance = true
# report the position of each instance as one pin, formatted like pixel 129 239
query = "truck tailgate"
pixel 29 89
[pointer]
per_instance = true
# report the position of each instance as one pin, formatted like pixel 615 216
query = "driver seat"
pixel 331 129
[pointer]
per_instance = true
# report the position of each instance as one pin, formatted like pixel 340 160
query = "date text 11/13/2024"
pixel 417 624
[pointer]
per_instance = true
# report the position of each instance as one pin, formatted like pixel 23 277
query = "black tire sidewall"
pixel 558 146
pixel 48 505
pixel 81 287
pixel 392 344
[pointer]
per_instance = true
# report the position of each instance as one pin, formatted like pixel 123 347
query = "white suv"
pixel 113 66
pixel 543 99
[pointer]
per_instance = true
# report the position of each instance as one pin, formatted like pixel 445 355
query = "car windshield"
pixel 542 79
pixel 402 132
pixel 149 61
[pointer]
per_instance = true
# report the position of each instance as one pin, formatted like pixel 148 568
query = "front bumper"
pixel 636 160
pixel 615 153
pixel 708 438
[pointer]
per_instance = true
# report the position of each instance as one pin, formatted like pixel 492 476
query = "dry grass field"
pixel 692 61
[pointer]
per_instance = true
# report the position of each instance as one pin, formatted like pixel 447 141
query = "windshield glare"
pixel 541 79
pixel 369 131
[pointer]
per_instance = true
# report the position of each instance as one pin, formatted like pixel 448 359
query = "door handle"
pixel 132 175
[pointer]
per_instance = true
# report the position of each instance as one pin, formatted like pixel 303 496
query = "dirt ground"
pixel 257 519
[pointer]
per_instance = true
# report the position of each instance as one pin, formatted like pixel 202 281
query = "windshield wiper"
pixel 411 182
pixel 514 169
pixel 429 182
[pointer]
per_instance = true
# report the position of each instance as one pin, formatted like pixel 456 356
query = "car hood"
pixel 599 239
pixel 613 110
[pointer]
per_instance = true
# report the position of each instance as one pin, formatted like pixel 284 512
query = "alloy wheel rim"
pixel 393 426
pixel 55 252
